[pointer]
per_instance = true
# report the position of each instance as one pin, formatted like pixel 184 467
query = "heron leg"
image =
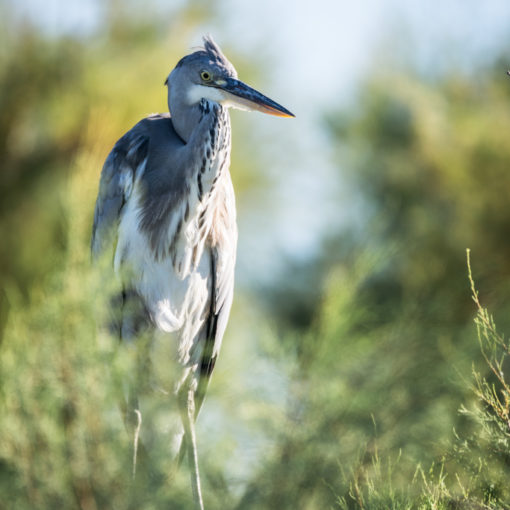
pixel 133 329
pixel 135 439
pixel 187 405
pixel 133 421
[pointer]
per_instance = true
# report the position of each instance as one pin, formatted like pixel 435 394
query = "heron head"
pixel 207 74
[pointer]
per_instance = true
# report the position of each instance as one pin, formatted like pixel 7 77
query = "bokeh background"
pixel 351 375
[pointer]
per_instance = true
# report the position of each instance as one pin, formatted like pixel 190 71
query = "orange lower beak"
pixel 243 96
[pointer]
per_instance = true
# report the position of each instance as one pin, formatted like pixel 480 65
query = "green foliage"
pixel 474 470
pixel 494 394
pixel 391 340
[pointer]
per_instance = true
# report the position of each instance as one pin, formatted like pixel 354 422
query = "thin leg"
pixel 192 450
pixel 135 337
pixel 135 439
pixel 188 418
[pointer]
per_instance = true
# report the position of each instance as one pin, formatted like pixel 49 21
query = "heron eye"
pixel 205 75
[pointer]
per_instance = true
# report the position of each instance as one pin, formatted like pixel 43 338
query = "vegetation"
pixel 358 380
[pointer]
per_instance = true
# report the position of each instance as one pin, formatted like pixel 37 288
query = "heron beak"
pixel 239 95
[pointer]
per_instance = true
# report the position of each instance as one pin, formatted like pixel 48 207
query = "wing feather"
pixel 115 187
pixel 223 258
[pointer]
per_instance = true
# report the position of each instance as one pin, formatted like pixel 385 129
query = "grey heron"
pixel 165 221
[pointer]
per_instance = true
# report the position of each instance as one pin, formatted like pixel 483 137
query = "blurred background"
pixel 350 372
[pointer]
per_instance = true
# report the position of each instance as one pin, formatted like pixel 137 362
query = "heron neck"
pixel 185 117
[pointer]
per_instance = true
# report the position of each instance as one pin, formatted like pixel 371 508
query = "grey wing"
pixel 223 259
pixel 223 285
pixel 116 184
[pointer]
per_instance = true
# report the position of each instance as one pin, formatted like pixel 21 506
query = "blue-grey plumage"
pixel 165 220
